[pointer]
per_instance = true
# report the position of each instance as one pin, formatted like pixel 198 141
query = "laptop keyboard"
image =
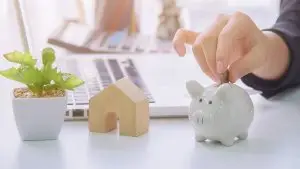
pixel 99 74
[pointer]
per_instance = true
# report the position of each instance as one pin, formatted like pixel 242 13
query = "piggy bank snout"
pixel 201 118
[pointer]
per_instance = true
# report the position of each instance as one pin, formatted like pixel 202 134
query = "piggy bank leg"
pixel 243 136
pixel 227 141
pixel 200 138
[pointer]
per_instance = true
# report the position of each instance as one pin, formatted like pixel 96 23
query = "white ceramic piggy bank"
pixel 220 112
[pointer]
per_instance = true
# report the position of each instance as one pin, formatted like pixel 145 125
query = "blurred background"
pixel 42 17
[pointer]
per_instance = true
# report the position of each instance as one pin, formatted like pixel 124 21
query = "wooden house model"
pixel 122 100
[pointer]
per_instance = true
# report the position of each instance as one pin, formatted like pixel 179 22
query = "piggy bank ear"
pixel 194 88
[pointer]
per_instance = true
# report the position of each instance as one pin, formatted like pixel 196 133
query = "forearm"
pixel 282 70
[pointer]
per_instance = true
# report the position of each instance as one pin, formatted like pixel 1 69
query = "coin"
pixel 224 77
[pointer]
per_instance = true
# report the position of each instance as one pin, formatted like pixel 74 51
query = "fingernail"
pixel 220 67
pixel 216 78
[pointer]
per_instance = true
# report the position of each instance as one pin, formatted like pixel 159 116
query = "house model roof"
pixel 131 90
pixel 128 88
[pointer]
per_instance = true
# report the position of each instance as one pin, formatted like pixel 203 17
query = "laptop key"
pixel 91 81
pixel 81 102
pixel 103 72
pixel 79 90
pixel 78 112
pixel 70 102
pixel 116 69
pixel 80 97
pixel 94 89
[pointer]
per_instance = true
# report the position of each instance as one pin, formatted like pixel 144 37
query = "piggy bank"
pixel 220 112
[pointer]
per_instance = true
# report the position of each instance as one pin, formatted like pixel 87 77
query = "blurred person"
pixel 267 60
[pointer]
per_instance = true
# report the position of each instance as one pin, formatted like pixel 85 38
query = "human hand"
pixel 232 42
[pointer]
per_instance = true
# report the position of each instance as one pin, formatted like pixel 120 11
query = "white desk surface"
pixel 273 143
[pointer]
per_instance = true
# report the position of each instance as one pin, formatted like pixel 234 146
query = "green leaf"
pixel 31 75
pixel 48 56
pixel 47 72
pixel 26 75
pixel 51 86
pixel 20 58
pixel 63 80
pixel 12 74
pixel 72 81
pixel 53 74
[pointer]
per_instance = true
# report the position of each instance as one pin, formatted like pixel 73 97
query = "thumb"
pixel 251 61
pixel 183 37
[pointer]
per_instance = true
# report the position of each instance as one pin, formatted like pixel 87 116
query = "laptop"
pixel 162 78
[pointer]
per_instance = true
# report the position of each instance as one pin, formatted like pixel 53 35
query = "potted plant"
pixel 40 105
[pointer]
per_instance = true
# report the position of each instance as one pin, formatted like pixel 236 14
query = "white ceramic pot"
pixel 39 118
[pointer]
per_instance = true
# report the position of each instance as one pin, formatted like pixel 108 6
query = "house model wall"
pixel 122 99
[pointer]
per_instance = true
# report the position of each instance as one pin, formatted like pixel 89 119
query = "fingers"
pixel 252 60
pixel 204 51
pixel 201 60
pixel 181 38
pixel 230 41
pixel 207 42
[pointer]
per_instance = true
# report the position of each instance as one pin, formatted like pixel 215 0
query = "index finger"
pixel 183 37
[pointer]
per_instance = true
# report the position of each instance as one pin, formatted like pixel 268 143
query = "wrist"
pixel 277 58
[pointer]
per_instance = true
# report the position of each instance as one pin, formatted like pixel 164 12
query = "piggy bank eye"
pixel 210 102
pixel 200 100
